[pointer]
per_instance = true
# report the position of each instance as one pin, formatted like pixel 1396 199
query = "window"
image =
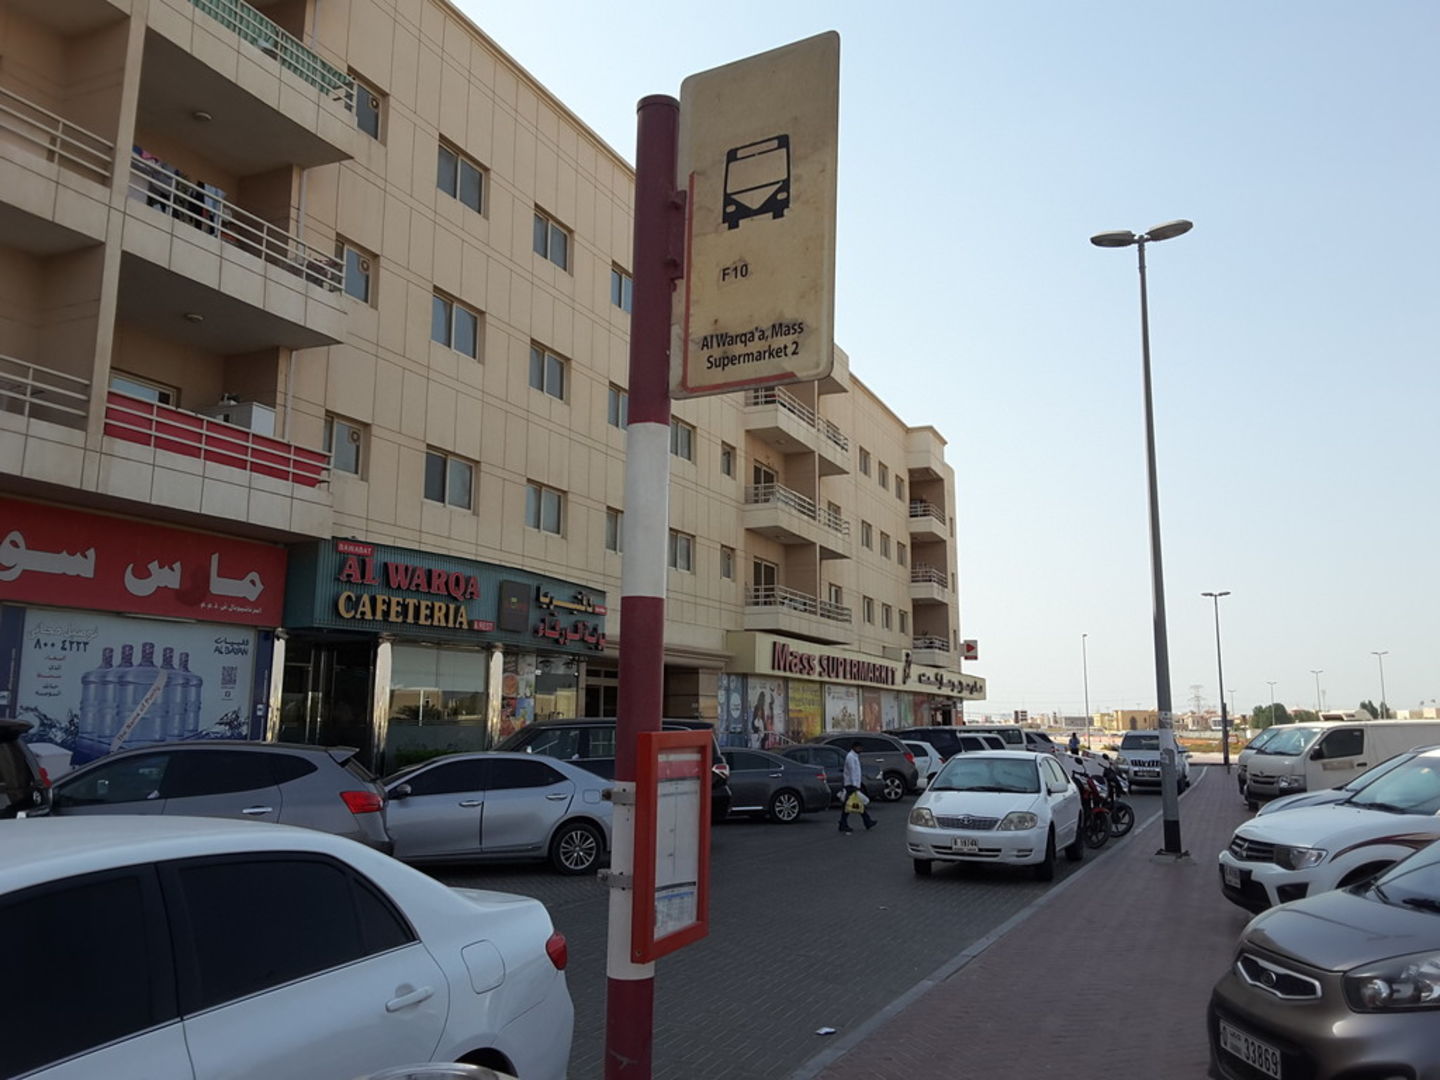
pixel 143 388
pixel 216 772
pixel 885 545
pixel 622 289
pixel 682 551
pixel 359 266
pixel 507 774
pixel 556 742
pixel 682 440
pixel 727 460
pixel 900 488
pixel 904 621
pixel 454 324
pixel 868 605
pixel 368 107
pixel 618 408
pixel 450 778
pixel 544 508
pixel 886 615
pixel 552 240
pixel 460 178
pixel 766 576
pixel 727 563
pixel 867 535
pixel 901 554
pixel 1342 742
pixel 343 442
pixel 449 480
pixel 865 461
pixel 614 530
pixel 547 372
pixel 882 475
pixel 836 595
pixel 134 779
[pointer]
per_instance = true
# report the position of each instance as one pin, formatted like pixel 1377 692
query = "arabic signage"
pixel 758 157
pixel 350 585
pixel 71 558
pixel 770 654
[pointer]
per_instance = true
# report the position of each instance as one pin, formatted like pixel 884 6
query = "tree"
pixel 1303 716
pixel 1369 706
pixel 1264 717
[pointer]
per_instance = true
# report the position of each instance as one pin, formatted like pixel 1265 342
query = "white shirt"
pixel 852 769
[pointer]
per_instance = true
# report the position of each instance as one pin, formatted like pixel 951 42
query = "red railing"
pixel 179 432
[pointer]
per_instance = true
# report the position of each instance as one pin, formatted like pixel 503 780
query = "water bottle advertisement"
pixel 94 683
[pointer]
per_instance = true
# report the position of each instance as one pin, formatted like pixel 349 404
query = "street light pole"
pixel 1272 703
pixel 1380 658
pixel 1085 668
pixel 1317 672
pixel 1165 720
pixel 1220 671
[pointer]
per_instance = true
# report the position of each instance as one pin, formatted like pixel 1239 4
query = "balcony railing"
pixel 43 393
pixel 922 509
pixel 202 208
pixel 56 138
pixel 248 24
pixel 774 395
pixel 936 644
pixel 179 432
pixel 759 494
pixel 834 434
pixel 931 574
pixel 794 600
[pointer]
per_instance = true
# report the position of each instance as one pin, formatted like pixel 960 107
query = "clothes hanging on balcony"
pixel 159 180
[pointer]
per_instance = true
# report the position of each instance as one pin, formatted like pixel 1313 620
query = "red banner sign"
pixel 69 558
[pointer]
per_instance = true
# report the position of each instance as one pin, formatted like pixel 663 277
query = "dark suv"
pixel 24 787
pixel 590 743
pixel 881 754
pixel 950 741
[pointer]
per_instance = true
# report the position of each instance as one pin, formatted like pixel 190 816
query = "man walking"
pixel 851 778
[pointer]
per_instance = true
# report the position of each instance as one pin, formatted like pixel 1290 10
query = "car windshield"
pixel 1140 742
pixel 1412 882
pixel 1264 737
pixel 1290 742
pixel 1412 788
pixel 1369 776
pixel 974 773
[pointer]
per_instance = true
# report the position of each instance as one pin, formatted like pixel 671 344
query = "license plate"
pixel 1257 1054
pixel 966 844
pixel 1231 875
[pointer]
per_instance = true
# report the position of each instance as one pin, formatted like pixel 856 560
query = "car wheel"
pixel 784 807
pixel 923 867
pixel 892 787
pixel 576 848
pixel 1362 874
pixel 1076 851
pixel 1045 871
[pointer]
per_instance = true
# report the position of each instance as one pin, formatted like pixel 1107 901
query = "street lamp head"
pixel 1170 230
pixel 1119 238
pixel 1216 595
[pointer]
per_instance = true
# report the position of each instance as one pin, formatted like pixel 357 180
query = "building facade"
pixel 342 286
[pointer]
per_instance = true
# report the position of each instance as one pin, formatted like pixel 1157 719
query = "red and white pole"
pixel 630 989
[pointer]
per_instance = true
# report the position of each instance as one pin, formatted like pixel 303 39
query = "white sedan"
pixel 199 948
pixel 1001 806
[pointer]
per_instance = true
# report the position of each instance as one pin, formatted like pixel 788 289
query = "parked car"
pixel 24 787
pixel 1013 735
pixel 927 760
pixel 484 807
pixel 1312 757
pixel 780 788
pixel 1288 856
pixel 952 740
pixel 883 754
pixel 1040 742
pixel 1012 807
pixel 1339 794
pixel 1342 984
pixel 323 788
pixel 831 761
pixel 176 947
pixel 590 743
pixel 1140 757
pixel 1250 749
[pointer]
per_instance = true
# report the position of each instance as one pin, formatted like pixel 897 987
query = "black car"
pixel 780 788
pixel 950 740
pixel 590 743
pixel 880 753
pixel 24 787
pixel 832 760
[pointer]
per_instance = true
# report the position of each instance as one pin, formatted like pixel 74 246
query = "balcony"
pixel 167 456
pixel 927 521
pixel 43 415
pixel 776 609
pixel 780 419
pixel 929 584
pixel 787 517
pixel 242 91
pixel 54 175
pixel 925 454
pixel 931 651
pixel 30 391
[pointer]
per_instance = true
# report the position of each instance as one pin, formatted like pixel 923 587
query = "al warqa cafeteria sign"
pixel 766 654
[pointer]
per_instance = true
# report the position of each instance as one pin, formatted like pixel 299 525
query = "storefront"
pixel 117 633
pixel 779 690
pixel 407 654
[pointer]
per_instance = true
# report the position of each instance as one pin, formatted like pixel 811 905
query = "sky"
pixel 1293 331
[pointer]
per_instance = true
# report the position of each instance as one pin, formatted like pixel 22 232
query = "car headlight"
pixel 1018 821
pixel 922 816
pixel 1405 982
pixel 1298 858
pixel 1291 783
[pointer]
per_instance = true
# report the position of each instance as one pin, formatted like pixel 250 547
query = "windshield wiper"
pixel 1424 903
pixel 1389 808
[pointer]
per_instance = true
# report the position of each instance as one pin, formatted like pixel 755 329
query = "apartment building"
pixel 313 361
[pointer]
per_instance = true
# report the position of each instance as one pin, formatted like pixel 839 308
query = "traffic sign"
pixel 758 157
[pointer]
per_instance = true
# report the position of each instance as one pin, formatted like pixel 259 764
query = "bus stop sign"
pixel 758 156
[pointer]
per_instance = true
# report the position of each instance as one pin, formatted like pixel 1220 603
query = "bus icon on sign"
pixel 757 180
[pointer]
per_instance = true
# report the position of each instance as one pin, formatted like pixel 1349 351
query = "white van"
pixel 1311 757
pixel 1242 762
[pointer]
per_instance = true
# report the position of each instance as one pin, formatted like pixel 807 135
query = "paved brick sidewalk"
pixel 1107 975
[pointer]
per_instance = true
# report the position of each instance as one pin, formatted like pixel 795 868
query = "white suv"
pixel 1140 755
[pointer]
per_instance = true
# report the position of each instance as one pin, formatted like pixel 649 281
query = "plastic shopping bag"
pixel 853 805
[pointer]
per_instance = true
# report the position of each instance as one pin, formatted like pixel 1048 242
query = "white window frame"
pixel 622 289
pixel 453 308
pixel 353 434
pixel 463 161
pixel 904 621
pixel 682 439
pixel 614 530
pixel 886 616
pixel 882 475
pixel 864 461
pixel 682 551
pixel 867 605
pixel 540 498
pixel 378 106
pixel 727 563
pixel 449 495
pixel 867 535
pixel 727 460
pixel 902 554
pixel 617 407
pixel 547 248
pixel 149 389
pixel 884 545
pixel 549 371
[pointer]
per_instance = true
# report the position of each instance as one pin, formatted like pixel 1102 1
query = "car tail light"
pixel 822 776
pixel 363 802
pixel 909 757
pixel 557 950
pixel 722 769
pixel 44 777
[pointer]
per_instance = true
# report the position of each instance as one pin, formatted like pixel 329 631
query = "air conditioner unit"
pixel 250 415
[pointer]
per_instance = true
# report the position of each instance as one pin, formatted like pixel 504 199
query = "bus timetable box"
pixel 671 899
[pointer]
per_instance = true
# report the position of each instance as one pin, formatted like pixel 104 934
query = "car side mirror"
pixel 1317 754
pixel 400 791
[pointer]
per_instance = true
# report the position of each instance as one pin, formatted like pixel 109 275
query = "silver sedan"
pixel 493 806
